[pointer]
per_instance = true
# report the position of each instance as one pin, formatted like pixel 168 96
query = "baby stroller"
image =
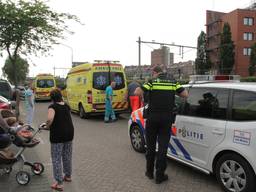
pixel 23 137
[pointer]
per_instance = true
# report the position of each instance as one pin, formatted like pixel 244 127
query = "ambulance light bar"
pixel 107 61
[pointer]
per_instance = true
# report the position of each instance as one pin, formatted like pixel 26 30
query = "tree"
pixel 202 62
pixel 30 27
pixel 227 54
pixel 252 65
pixel 20 71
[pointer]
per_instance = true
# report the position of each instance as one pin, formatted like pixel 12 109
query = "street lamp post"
pixel 71 52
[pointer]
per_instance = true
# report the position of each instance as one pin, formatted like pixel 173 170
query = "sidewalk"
pixel 37 183
pixel 40 153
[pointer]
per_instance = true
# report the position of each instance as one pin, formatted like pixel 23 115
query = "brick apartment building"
pixel 182 70
pixel 131 71
pixel 162 57
pixel 243 28
pixel 165 59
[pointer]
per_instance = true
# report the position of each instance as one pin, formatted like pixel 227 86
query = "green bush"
pixel 248 79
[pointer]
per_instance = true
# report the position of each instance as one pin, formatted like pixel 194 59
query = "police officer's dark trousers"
pixel 157 129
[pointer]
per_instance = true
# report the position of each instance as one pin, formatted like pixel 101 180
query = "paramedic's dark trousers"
pixel 157 129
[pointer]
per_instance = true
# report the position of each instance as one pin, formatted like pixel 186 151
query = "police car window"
pixel 244 106
pixel 220 107
pixel 179 102
pixel 118 77
pixel 200 102
pixel 100 80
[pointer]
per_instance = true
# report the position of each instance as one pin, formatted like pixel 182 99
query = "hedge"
pixel 248 79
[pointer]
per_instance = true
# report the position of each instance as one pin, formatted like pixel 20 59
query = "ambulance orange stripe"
pixel 118 105
pixel 123 106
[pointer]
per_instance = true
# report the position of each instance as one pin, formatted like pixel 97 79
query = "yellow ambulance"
pixel 43 85
pixel 86 84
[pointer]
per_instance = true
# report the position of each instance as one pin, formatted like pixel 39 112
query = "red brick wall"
pixel 235 19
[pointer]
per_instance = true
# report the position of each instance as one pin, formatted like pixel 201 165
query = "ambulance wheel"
pixel 137 139
pixel 37 168
pixel 117 115
pixel 234 173
pixel 82 113
pixel 22 177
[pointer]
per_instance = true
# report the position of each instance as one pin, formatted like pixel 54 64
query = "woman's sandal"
pixel 57 187
pixel 67 179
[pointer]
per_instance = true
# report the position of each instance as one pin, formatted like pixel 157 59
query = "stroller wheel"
pixel 22 177
pixel 37 168
pixel 7 170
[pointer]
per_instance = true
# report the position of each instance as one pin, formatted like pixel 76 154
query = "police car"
pixel 214 131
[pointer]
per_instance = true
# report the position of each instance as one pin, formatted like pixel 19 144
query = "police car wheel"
pixel 234 173
pixel 137 139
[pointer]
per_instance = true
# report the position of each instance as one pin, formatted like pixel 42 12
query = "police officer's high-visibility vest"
pixel 162 93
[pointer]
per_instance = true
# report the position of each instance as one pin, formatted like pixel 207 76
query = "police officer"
pixel 161 95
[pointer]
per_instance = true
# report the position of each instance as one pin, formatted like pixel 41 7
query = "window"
pixel 207 103
pixel 119 79
pixel 5 90
pixel 45 83
pixel 248 36
pixel 101 80
pixel 78 80
pixel 244 106
pixel 200 102
pixel 247 51
pixel 248 21
pixel 220 108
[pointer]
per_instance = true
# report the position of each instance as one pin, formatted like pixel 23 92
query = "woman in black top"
pixel 61 128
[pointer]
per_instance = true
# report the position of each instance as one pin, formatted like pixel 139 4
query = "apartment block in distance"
pixel 162 57
pixel 243 28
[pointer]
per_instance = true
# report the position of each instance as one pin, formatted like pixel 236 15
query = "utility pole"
pixel 54 69
pixel 171 44
pixel 159 43
pixel 72 52
pixel 140 72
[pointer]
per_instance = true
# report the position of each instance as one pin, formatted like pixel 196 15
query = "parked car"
pixel 4 103
pixel 214 132
pixel 6 89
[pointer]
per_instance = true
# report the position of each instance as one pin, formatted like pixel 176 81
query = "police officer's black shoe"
pixel 149 175
pixel 162 178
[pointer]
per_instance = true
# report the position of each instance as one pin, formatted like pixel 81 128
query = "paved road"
pixel 104 161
